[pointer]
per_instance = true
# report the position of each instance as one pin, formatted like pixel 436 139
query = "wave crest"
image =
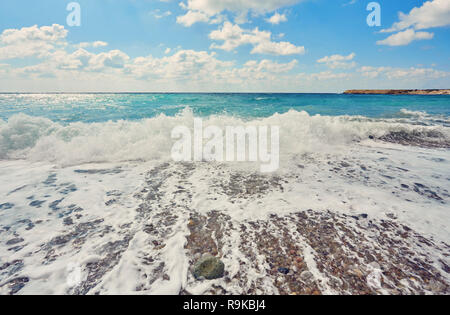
pixel 40 139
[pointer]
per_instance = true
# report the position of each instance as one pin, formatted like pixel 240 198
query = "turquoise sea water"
pixel 89 183
pixel 67 108
pixel 82 128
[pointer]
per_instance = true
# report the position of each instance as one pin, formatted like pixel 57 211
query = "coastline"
pixel 358 205
pixel 400 92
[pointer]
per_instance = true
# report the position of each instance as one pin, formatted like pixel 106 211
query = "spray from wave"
pixel 40 139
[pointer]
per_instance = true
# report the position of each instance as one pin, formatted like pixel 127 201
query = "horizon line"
pixel 171 92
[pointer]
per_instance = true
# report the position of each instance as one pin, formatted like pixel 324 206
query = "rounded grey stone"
pixel 209 268
pixel 306 275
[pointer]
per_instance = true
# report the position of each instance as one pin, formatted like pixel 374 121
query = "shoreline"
pixel 347 92
pixel 399 92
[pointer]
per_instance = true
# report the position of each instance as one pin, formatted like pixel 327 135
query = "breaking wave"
pixel 423 118
pixel 40 139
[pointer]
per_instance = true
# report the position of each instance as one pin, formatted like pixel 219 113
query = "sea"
pixel 92 202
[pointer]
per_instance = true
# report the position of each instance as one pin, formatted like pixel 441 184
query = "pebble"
pixel 306 275
pixel 209 267
pixel 14 241
pixel 283 270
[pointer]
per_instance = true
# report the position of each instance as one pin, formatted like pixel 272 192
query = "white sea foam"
pixel 329 163
pixel 413 113
pixel 40 139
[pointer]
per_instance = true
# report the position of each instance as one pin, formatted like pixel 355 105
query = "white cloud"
pixel 183 65
pixel 338 61
pixel 186 67
pixel 157 14
pixel 80 60
pixel 412 72
pixel 110 59
pixel 234 36
pixel 95 44
pixel 213 7
pixel 26 49
pixel 371 72
pixel 34 33
pixel 350 3
pixel 69 67
pixel 254 71
pixel 201 66
pixel 49 43
pixel 4 69
pixel 99 44
pixel 210 8
pixel 277 18
pixel 435 13
pixel 61 60
pixel 402 73
pixel 270 66
pixel 31 41
pixel 405 38
pixel 328 75
pixel 278 48
pixel 192 17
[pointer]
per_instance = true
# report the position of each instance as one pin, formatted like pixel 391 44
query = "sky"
pixel 223 45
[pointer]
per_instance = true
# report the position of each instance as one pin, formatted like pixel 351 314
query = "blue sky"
pixel 230 45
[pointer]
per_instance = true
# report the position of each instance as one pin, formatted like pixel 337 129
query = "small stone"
pixel 209 268
pixel 306 275
pixel 14 241
pixel 6 206
pixel 299 259
pixel 68 221
pixel 284 271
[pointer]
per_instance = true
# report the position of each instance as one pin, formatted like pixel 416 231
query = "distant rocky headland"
pixel 401 92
